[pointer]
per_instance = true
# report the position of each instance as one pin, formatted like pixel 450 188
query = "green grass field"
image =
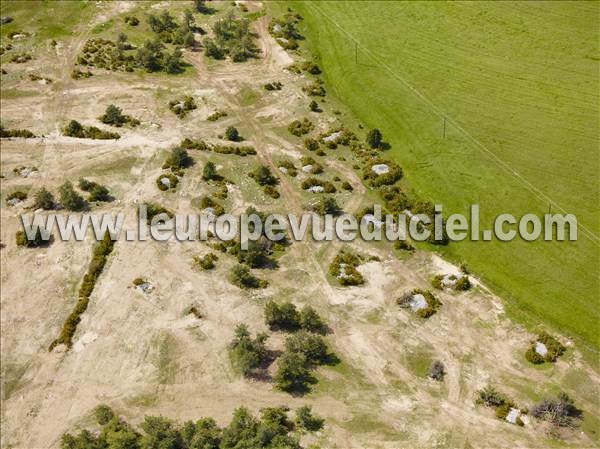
pixel 516 79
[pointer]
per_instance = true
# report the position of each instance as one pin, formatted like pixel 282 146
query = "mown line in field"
pixel 593 237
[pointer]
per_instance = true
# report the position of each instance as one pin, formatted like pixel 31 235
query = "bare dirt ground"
pixel 141 355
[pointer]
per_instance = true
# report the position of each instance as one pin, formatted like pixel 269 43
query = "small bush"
pixel 16 195
pixel 276 85
pixel 216 116
pixel 181 107
pixel 436 370
pixel 232 134
pixel 241 276
pixel 343 268
pixel 263 176
pixel 206 262
pixel 315 89
pixel 247 354
pixel 301 127
pixel 307 420
pixel 103 414
pixel 403 245
pixel 282 317
pixel 172 182
pixel 43 199
pixel 327 205
pixel 114 116
pixel 554 347
pixel 76 129
pixel 311 144
pixel 178 159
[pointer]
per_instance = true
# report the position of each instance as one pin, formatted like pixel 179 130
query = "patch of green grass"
pixel 366 423
pixel 8 94
pixel 495 70
pixel 47 19
pixel 418 362
pixel 166 360
pixel 248 96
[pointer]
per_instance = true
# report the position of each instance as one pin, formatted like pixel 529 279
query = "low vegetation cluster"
pixel 99 257
pixel 274 429
pixel 76 129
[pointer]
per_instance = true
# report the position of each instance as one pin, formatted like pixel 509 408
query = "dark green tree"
pixel 70 199
pixel 43 199
pixel 374 138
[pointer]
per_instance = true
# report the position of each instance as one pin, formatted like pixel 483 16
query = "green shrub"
pixel 206 262
pixel 70 199
pixel 276 85
pixel 374 138
pixel 554 347
pixel 182 106
pixel 153 209
pixel 403 245
pixel 327 205
pixel 100 254
pixel 114 116
pixel 247 354
pixel 347 186
pixel 343 268
pixel 172 179
pixel 311 144
pixel 282 317
pixel 263 176
pixel 232 134
pixel 301 127
pixel 216 116
pixel 207 202
pixel 103 414
pixel 463 284
pixel 16 195
pixel 328 187
pixel 315 89
pixel 24 133
pixel 43 199
pixel 37 241
pixel 76 129
pixel 307 420
pixel 293 374
pixel 178 159
pixel 311 321
pixel 241 276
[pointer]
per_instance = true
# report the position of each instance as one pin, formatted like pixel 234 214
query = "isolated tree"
pixel 312 346
pixel 43 199
pixel 284 316
pixel 374 138
pixel 173 62
pixel 70 199
pixel 209 172
pixel 231 133
pixel 307 420
pixel 179 158
pixel 311 321
pixel 263 176
pixel 314 106
pixel 292 373
pixel 113 116
pixel 74 129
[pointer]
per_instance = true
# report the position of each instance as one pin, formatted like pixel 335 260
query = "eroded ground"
pixel 142 355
